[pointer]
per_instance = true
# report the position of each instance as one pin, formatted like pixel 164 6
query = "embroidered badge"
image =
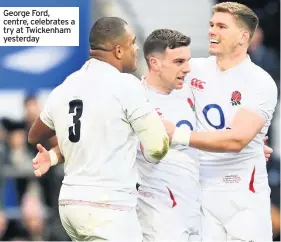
pixel 191 104
pixel 236 98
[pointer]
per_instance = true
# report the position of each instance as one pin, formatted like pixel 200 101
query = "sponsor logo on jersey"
pixel 197 84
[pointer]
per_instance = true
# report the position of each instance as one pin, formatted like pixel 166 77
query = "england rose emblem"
pixel 191 104
pixel 236 98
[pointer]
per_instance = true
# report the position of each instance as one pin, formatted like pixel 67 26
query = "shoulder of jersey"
pixel 261 77
pixel 130 80
pixel 198 63
pixel 61 89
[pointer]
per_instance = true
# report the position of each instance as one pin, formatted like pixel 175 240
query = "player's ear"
pixel 153 63
pixel 245 38
pixel 119 52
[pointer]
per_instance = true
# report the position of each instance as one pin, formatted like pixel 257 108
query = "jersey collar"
pixel 150 88
pixel 100 64
pixel 240 65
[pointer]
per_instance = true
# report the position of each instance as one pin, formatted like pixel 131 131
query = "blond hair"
pixel 243 14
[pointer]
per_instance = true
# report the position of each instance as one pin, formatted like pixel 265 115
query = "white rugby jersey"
pixel 88 113
pixel 218 95
pixel 178 171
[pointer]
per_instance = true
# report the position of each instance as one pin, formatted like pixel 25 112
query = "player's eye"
pixel 222 26
pixel 180 61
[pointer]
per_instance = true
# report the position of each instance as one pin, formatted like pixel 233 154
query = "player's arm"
pixel 45 159
pixel 43 128
pixel 144 120
pixel 40 132
pixel 152 135
pixel 56 156
pixel 247 123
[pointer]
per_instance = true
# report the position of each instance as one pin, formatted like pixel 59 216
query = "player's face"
pixel 224 34
pixel 129 58
pixel 174 65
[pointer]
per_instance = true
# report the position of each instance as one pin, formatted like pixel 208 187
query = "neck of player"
pixel 154 81
pixel 105 57
pixel 227 61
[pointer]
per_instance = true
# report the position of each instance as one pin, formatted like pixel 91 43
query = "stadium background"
pixel 29 206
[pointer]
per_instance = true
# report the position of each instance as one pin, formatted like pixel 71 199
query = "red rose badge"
pixel 191 104
pixel 236 98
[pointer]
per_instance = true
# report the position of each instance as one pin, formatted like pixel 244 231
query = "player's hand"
pixel 42 161
pixel 170 128
pixel 266 149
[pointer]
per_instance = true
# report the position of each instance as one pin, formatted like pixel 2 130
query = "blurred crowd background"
pixel 28 206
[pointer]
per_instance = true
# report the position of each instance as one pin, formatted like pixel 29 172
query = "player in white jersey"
pixel 97 114
pixel 169 193
pixel 237 99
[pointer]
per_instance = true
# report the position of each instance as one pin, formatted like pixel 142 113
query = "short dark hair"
pixel 161 39
pixel 243 13
pixel 106 31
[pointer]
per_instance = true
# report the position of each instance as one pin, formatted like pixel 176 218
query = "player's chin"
pixel 213 51
pixel 130 69
pixel 179 85
pixel 134 68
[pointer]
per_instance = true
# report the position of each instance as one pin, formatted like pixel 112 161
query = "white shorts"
pixel 236 216
pixel 84 221
pixel 161 222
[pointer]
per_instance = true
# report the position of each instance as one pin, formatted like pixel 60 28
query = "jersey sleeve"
pixel 46 113
pixel 144 120
pixel 153 137
pixel 135 101
pixel 264 99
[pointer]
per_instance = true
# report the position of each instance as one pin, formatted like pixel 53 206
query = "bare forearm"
pixel 244 128
pixel 217 141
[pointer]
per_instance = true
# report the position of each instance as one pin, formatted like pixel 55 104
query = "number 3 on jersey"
pixel 74 131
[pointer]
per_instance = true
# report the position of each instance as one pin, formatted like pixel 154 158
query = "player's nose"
pixel 186 68
pixel 211 33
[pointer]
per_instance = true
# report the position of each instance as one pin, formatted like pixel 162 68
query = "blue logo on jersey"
pixel 222 119
pixel 205 111
pixel 186 122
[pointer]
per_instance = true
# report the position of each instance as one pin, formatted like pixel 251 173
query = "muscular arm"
pixel 40 132
pixel 246 125
pixel 151 132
